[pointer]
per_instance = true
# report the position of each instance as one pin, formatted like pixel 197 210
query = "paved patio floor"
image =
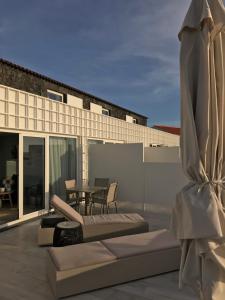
pixel 23 274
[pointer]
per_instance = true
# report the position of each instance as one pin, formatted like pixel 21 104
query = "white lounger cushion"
pixel 111 262
pixel 97 227
pixel 140 243
pixel 66 210
pixel 103 225
pixel 112 219
pixel 81 255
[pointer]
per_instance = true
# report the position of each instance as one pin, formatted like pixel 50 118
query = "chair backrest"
pixel 70 183
pixel 111 196
pixel 67 211
pixel 104 182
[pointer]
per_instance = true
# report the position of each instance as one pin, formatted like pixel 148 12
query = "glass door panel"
pixel 9 176
pixel 62 164
pixel 33 174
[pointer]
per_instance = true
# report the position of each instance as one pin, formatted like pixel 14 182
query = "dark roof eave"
pixel 66 86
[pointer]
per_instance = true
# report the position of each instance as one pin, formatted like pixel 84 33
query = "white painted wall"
pixel 162 154
pixel 129 119
pixel 143 186
pixel 96 108
pixel 26 112
pixel 74 101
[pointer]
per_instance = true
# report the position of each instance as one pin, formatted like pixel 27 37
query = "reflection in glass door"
pixel 62 164
pixel 9 176
pixel 33 174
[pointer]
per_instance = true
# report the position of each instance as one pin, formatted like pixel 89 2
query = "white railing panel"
pixel 25 111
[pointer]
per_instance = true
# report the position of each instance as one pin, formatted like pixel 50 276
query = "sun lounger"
pixel 84 267
pixel 96 227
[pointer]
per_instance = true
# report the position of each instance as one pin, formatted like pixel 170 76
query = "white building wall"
pixel 74 101
pixel 129 119
pixel 96 108
pixel 27 112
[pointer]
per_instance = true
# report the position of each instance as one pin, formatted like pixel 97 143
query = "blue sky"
pixel 125 51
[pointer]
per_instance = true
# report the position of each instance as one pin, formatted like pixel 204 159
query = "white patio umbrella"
pixel 198 218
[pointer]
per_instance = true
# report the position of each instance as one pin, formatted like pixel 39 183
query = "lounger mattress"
pixel 76 269
pixel 99 227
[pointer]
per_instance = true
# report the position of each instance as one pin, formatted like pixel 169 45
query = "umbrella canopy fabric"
pixel 198 217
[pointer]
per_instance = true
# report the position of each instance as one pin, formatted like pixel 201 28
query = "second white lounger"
pixel 96 227
pixel 84 267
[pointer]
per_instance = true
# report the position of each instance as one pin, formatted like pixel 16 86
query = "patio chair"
pixel 104 182
pixel 101 182
pixel 73 199
pixel 105 200
pixel 95 227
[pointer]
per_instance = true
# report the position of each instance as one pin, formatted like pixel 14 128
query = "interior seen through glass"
pixel 33 174
pixel 62 164
pixel 9 175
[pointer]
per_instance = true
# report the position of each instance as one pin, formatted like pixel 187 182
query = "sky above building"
pixel 125 51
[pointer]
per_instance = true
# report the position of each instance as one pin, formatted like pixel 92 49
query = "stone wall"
pixel 31 82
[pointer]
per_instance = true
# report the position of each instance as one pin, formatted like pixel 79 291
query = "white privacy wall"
pixel 162 182
pixel 162 154
pixel 123 163
pixel 143 186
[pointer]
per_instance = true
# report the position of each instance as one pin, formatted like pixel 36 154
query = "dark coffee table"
pixel 67 233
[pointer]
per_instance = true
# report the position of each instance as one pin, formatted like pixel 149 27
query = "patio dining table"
pixel 88 191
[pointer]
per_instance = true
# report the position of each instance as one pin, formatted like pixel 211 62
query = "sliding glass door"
pixel 33 168
pixel 62 164
pixel 9 175
pixel 33 174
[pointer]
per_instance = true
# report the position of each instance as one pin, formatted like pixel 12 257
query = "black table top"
pixel 52 216
pixel 87 189
pixel 68 225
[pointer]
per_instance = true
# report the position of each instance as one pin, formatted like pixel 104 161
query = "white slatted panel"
pixel 20 110
pixel 27 112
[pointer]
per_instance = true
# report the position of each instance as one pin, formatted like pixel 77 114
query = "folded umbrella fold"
pixel 198 217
